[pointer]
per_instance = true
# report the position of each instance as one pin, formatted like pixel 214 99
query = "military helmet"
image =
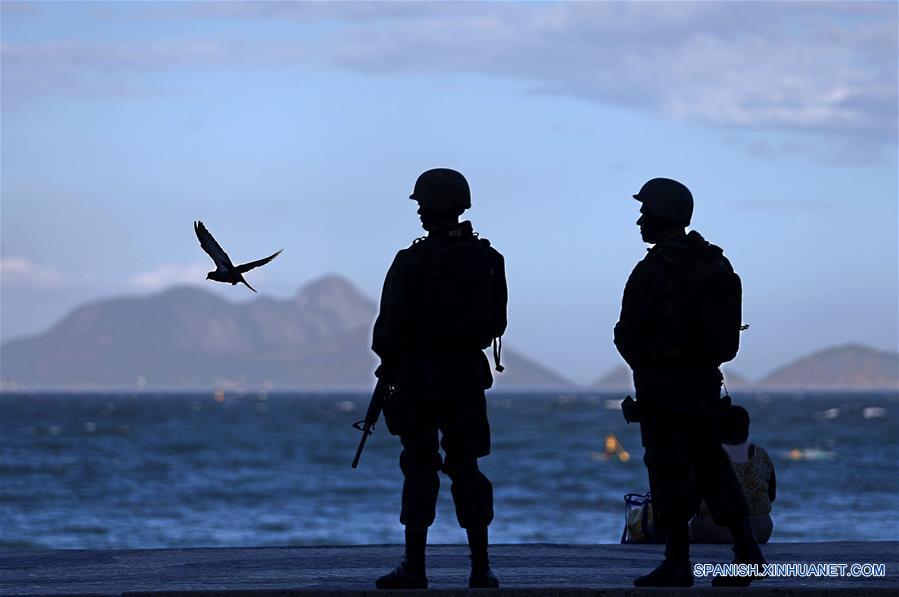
pixel 668 199
pixel 442 189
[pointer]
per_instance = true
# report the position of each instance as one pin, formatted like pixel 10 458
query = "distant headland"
pixel 189 338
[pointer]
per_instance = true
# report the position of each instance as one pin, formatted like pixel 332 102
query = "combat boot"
pixel 482 576
pixel 742 581
pixel 668 574
pixel 739 581
pixel 408 575
pixel 746 551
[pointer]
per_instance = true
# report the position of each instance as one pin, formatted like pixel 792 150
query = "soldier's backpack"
pixel 706 307
pixel 463 292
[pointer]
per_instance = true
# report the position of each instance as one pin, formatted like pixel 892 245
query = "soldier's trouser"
pixel 466 437
pixel 686 463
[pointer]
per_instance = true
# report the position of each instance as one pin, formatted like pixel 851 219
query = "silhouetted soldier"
pixel 444 301
pixel 680 319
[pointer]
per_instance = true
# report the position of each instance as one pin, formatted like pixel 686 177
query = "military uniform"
pixel 678 392
pixel 440 386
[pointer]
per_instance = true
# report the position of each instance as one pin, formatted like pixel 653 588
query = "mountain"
pixel 847 366
pixel 187 337
pixel 615 379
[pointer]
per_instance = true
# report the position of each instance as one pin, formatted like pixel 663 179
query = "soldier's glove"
pixel 631 409
pixel 385 374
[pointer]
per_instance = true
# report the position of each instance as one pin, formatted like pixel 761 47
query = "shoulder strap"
pixel 498 354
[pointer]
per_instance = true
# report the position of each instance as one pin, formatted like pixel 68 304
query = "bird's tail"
pixel 247 285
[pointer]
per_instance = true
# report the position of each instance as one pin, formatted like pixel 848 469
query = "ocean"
pixel 148 470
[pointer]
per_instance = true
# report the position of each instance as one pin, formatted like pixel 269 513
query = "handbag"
pixel 639 521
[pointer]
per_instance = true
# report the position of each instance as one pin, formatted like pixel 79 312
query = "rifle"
pixel 367 425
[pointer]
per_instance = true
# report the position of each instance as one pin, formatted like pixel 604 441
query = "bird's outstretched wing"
pixel 245 267
pixel 212 248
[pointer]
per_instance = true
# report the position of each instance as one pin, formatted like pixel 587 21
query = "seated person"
pixel 755 471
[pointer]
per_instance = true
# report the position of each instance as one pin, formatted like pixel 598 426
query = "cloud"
pixel 843 151
pixel 824 68
pixel 20 272
pixel 170 274
pixel 740 65
pixel 89 69
pixel 19 9
pixel 309 12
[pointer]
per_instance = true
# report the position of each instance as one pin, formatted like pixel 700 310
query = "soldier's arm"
pixel 634 331
pixel 392 324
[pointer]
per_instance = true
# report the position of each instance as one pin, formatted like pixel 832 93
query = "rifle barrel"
pixel 371 417
pixel 366 431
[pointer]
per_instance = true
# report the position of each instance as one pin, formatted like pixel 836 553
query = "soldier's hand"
pixel 631 410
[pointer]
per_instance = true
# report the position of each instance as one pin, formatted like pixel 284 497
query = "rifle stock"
pixel 367 425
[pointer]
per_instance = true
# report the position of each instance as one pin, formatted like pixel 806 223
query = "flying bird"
pixel 225 271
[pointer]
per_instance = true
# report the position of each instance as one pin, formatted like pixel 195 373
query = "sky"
pixel 304 127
